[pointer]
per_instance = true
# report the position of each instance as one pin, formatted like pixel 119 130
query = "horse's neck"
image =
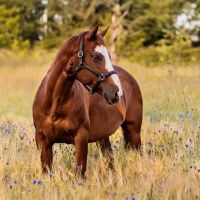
pixel 62 90
pixel 58 83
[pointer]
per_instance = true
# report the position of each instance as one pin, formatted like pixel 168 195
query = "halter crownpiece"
pixel 100 77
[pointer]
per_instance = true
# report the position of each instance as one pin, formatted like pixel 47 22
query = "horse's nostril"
pixel 116 98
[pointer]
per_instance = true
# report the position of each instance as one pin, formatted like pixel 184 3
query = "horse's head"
pixel 93 66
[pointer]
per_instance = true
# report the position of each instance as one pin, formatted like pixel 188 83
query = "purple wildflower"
pixel 180 115
pixel 133 198
pixel 176 132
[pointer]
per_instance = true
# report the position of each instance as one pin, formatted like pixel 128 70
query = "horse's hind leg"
pixel 106 150
pixel 132 125
pixel 46 156
pixel 131 132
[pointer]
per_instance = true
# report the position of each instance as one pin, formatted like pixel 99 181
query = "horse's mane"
pixel 69 47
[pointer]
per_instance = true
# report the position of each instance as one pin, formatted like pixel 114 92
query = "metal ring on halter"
pixel 80 54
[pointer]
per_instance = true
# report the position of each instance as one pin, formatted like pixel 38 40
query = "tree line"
pixel 133 23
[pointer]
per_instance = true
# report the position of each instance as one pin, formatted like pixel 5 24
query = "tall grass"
pixel 169 167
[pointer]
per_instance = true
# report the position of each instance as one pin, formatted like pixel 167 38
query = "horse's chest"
pixel 61 127
pixel 65 124
pixel 68 116
pixel 106 119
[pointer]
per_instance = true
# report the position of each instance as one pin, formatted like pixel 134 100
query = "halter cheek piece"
pixel 100 77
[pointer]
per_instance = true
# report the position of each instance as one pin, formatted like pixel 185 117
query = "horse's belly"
pixel 105 119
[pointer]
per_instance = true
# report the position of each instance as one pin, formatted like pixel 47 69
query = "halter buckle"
pixel 101 77
pixel 80 54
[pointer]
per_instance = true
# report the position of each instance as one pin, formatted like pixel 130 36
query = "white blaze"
pixel 102 49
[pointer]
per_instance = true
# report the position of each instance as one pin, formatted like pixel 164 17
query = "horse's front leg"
pixel 81 145
pixel 46 156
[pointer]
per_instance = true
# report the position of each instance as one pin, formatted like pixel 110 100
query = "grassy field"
pixel 168 169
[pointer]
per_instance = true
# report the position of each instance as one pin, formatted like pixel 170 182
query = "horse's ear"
pixel 103 33
pixel 93 32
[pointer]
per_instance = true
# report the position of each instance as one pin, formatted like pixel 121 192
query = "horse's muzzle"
pixel 111 99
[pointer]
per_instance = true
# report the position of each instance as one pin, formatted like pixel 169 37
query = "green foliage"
pixel 29 14
pixel 68 17
pixel 148 26
pixel 9 26
pixel 51 41
pixel 178 53
pixel 150 21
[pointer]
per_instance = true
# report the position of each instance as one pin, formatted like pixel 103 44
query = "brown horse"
pixel 84 99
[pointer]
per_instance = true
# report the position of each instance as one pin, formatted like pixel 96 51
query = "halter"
pixel 100 77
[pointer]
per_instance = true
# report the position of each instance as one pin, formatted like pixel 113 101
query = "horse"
pixel 83 98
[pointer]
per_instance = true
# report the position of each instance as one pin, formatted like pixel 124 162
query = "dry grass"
pixel 168 169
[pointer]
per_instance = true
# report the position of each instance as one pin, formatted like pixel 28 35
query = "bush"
pixel 178 53
pixel 51 41
pixel 9 26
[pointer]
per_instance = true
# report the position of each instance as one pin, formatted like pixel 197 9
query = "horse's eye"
pixel 97 58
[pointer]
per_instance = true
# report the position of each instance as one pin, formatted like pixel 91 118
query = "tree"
pixel 29 21
pixel 9 26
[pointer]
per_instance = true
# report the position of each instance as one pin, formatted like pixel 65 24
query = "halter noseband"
pixel 100 77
